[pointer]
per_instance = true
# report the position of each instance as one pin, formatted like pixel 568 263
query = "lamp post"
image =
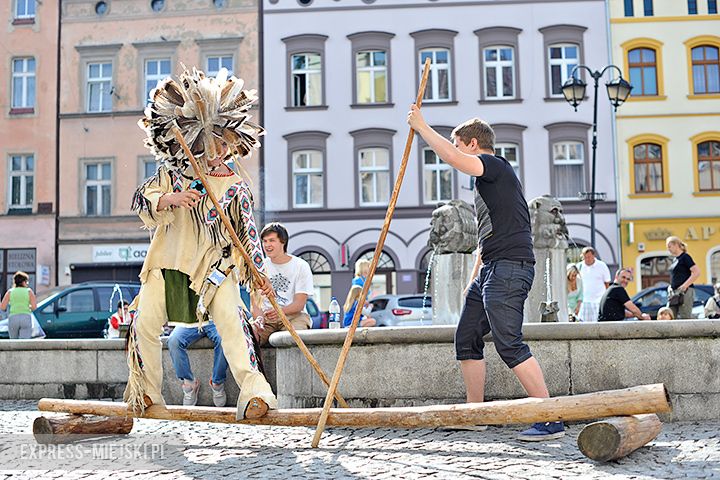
pixel 573 90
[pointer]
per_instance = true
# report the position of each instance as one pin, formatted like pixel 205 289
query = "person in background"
pixel 683 272
pixel 596 278
pixel 351 304
pixel 121 317
pixel 712 306
pixel 615 304
pixel 665 314
pixel 22 302
pixel 574 293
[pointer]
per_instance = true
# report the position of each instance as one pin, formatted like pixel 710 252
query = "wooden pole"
pixel 65 428
pixel 254 271
pixel 616 437
pixel 628 401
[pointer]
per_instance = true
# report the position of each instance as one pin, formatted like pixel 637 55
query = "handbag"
pixel 676 298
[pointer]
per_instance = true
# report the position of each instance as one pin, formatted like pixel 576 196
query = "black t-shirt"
pixel 612 304
pixel 680 270
pixel 502 213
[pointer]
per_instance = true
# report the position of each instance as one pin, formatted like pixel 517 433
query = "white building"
pixel 339 77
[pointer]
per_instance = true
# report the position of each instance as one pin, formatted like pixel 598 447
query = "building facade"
pixel 113 53
pixel 28 86
pixel 668 134
pixel 339 79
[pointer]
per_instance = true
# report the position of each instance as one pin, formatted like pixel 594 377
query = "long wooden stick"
pixel 626 401
pixel 251 265
pixel 373 265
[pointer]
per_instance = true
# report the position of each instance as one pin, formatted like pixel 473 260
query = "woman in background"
pixel 22 302
pixel 574 293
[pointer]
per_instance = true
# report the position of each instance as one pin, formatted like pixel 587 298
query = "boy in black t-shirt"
pixel 615 304
pixel 495 297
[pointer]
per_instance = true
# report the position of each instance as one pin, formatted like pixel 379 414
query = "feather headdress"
pixel 206 110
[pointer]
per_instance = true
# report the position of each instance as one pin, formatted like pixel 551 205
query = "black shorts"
pixel 494 304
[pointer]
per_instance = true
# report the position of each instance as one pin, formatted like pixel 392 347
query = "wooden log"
pixel 616 437
pixel 64 428
pixel 628 401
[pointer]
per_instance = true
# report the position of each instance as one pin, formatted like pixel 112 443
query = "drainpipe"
pixel 57 148
pixel 261 89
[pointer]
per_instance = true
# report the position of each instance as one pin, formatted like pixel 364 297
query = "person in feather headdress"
pixel 191 272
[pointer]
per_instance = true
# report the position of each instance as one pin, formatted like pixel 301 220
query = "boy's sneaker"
pixel 543 431
pixel 190 393
pixel 218 393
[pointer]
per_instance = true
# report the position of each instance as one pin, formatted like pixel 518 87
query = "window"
pixel 643 71
pixel 715 266
pixel 23 83
pixel 155 71
pixel 99 87
pixel 510 152
pixel 436 45
pixel 648 8
pixel 629 11
pixel 568 169
pixel 78 301
pixel 306 80
pixel 322 278
pixel 437 178
pixel 149 167
pixel 692 7
pixel 499 72
pixel 157 5
pixel 438 84
pixel 712 6
pixel 708 154
pixel 371 74
pixel 648 165
pixel 374 173
pixel 98 181
pixel 562 60
pixel 308 178
pixel 705 69
pixel 216 62
pixel 21 181
pixel 25 9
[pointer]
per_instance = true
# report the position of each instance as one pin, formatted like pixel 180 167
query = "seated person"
pixel 122 317
pixel 291 280
pixel 665 313
pixel 712 306
pixel 351 304
pixel 180 339
pixel 615 304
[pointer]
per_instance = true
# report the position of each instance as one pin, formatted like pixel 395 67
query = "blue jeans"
pixel 182 337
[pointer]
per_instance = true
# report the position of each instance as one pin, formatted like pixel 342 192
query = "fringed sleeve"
pixel 241 214
pixel 146 198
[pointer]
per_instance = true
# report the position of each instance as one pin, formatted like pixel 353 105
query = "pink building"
pixel 113 53
pixel 28 86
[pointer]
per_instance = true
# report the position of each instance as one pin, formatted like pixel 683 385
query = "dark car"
pixel 80 311
pixel 653 299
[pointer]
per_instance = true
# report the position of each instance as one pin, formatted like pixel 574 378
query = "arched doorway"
pixel 715 266
pixel 655 271
pixel 384 279
pixel 322 279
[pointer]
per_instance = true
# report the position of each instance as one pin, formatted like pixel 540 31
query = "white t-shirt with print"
pixel 593 280
pixel 287 279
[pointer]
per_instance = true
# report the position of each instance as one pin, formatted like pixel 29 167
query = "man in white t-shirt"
pixel 292 281
pixel 595 276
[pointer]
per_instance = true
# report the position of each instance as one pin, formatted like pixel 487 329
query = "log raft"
pixel 67 428
pixel 628 401
pixel 613 438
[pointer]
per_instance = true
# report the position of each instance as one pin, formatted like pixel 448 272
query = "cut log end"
pixel 68 428
pixel 617 437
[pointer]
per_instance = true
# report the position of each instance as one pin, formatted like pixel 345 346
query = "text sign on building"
pixel 119 253
pixel 18 259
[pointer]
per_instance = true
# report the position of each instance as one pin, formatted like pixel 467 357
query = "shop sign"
pixel 690 233
pixel 21 259
pixel 119 253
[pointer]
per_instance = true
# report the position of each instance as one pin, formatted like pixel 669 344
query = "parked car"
pixel 79 311
pixel 653 299
pixel 318 318
pixel 401 310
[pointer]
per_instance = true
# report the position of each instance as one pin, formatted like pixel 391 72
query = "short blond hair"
pixel 478 129
pixel 360 265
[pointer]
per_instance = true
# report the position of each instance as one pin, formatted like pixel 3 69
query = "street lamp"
pixel 573 90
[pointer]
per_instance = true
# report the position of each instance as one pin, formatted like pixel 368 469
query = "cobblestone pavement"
pixel 204 450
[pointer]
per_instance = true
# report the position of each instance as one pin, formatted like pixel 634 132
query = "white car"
pixel 401 310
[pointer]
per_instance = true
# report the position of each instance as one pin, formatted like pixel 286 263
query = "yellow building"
pixel 668 133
